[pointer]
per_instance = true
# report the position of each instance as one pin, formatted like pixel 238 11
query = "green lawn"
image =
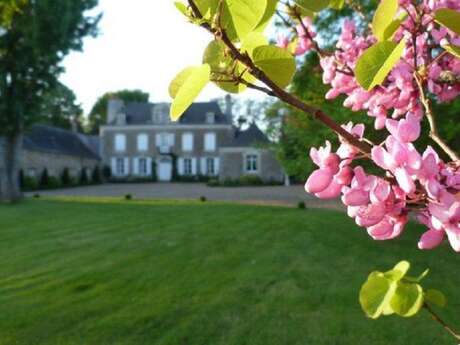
pixel 117 273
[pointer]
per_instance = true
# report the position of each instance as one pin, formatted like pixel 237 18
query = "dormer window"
pixel 210 118
pixel 121 119
pixel 160 114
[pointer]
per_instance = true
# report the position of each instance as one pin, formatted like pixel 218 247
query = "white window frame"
pixel 120 169
pixel 142 142
pixel 210 166
pixel 207 146
pixel 143 169
pixel 120 142
pixel 187 142
pixel 188 166
pixel 251 163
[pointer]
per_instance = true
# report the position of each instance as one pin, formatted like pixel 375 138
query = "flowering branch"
pixel 286 97
pixel 434 134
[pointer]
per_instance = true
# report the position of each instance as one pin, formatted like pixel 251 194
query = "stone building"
pixel 139 137
pixel 57 149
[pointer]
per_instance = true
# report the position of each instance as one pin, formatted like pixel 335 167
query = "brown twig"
pixel 434 134
pixel 436 318
pixel 279 92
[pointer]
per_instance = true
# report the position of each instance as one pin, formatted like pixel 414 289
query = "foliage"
pixel 83 178
pixel 98 114
pixel 96 176
pixel 60 109
pixel 44 179
pixel 66 180
pixel 106 173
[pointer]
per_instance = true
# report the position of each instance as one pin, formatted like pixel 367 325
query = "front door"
pixel 165 170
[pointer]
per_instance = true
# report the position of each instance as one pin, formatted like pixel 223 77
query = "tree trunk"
pixel 10 158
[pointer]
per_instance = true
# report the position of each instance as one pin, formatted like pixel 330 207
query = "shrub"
pixel 106 173
pixel 154 171
pixel 53 182
pixel 65 177
pixel 203 199
pixel 21 179
pixel 83 177
pixel 213 183
pixel 29 184
pixel 96 175
pixel 36 196
pixel 128 197
pixel 301 205
pixel 44 179
pixel 250 180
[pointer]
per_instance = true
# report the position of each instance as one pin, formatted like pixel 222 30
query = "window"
pixel 142 142
pixel 32 172
pixel 143 166
pixel 187 142
pixel 210 118
pixel 210 142
pixel 252 163
pixel 210 166
pixel 161 114
pixel 120 142
pixel 120 167
pixel 188 166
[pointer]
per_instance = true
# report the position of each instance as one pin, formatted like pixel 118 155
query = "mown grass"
pixel 101 271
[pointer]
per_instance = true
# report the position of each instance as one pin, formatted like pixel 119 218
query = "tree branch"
pixel 436 318
pixel 286 97
pixel 434 134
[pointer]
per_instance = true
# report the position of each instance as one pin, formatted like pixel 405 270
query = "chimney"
pixel 114 109
pixel 229 108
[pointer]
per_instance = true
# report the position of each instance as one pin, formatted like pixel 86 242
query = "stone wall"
pixel 34 162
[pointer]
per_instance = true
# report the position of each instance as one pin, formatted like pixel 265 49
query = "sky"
pixel 142 44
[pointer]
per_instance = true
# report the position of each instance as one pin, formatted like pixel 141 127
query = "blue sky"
pixel 142 45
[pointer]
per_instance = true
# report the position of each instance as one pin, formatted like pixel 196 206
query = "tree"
pixel 60 108
pixel 393 70
pixel 98 114
pixel 32 47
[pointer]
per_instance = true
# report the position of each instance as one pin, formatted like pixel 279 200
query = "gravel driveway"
pixel 258 195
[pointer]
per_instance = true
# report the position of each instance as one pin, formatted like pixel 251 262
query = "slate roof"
pixel 250 137
pixel 141 113
pixel 50 139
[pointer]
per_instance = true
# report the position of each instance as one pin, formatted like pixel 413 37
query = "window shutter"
pixel 180 166
pixel 203 166
pixel 114 166
pixel 216 166
pixel 149 166
pixel 171 139
pixel 194 166
pixel 136 166
pixel 127 171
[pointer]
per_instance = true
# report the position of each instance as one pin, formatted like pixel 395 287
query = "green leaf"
pixel 448 18
pixel 376 63
pixel 383 17
pixel 186 87
pixel 436 297
pixel 452 49
pixel 376 294
pixel 407 299
pixel 268 15
pixel 222 64
pixel 400 270
pixel 277 63
pixel 252 41
pixel 313 5
pixel 393 27
pixel 240 17
pixel 337 4
pixel 182 8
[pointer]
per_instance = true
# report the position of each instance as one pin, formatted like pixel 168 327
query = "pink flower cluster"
pixel 382 205
pixel 419 183
pixel 303 40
